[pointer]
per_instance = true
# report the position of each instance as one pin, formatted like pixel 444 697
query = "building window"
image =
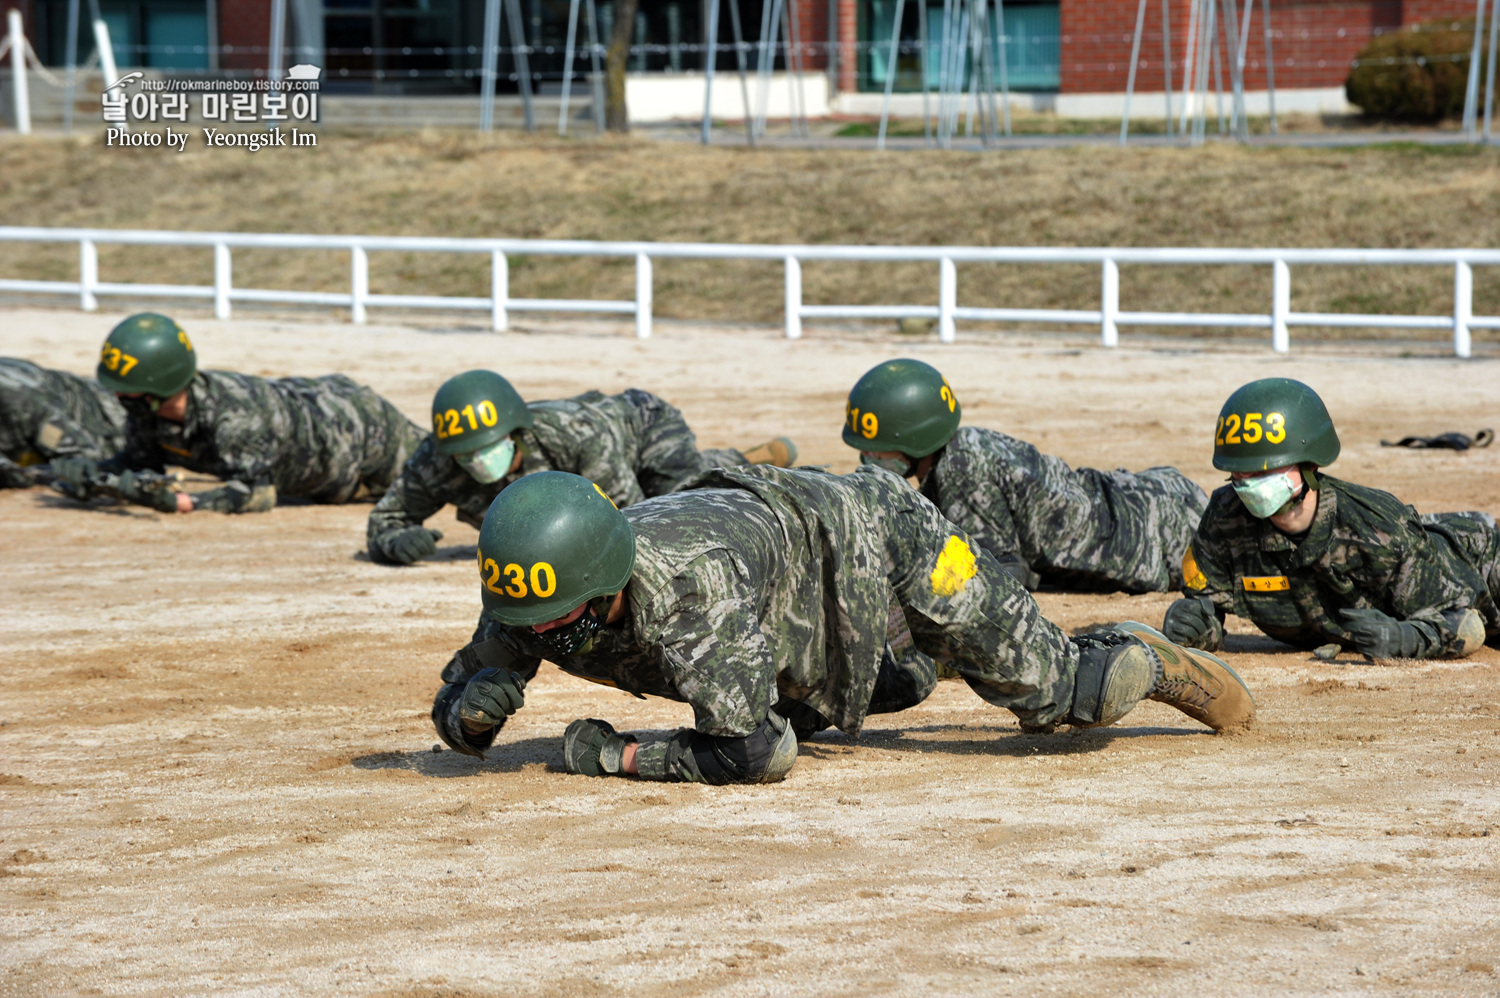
pixel 1032 46
pixel 155 34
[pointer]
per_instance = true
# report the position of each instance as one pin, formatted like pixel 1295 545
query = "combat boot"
pixel 1199 684
pixel 779 452
pixel 1116 671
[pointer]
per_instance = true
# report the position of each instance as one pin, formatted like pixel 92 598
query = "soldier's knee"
pixel 765 755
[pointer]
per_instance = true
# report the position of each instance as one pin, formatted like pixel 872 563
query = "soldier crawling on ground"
pixel 754 585
pixel 324 439
pixel 632 445
pixel 46 415
pixel 1046 523
pixel 1322 563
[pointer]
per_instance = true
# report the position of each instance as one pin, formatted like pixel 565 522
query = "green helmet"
pixel 147 354
pixel 1272 423
pixel 902 405
pixel 476 409
pixel 550 543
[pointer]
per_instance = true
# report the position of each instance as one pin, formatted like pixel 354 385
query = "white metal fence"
pixel 1108 316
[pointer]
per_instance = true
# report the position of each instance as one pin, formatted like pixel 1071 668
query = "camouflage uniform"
pixel 1083 529
pixel 631 445
pixel 757 585
pixel 46 414
pixel 325 439
pixel 1365 549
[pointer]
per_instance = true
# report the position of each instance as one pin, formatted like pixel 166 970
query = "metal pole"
pixel 278 38
pixel 1204 54
pixel 800 69
pixel 487 65
pixel 1135 58
pixel 793 298
pixel 523 65
pixel 1265 13
pixel 1489 76
pixel 789 59
pixel 944 58
pixel 72 63
pixel 739 60
pixel 710 38
pixel 1000 39
pixel 642 296
pixel 1109 311
pixel 1463 304
pixel 1281 305
pixel 890 73
pixel 1189 64
pixel 223 280
pixel 567 80
pixel 499 291
pixel 987 72
pixel 947 299
pixel 922 67
pixel 1166 60
pixel 596 84
pixel 763 66
pixel 1213 28
pixel 1471 92
pixel 1236 80
pixel 18 79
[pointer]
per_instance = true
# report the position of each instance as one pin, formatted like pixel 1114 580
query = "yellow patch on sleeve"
pixel 1192 575
pixel 1265 583
pixel 30 457
pixel 955 567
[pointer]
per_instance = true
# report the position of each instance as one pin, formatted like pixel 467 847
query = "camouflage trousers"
pixel 1476 538
pixel 964 611
pixel 1154 514
pixel 669 454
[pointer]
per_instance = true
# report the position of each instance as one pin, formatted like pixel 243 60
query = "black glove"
pixel 73 475
pixel 402 547
pixel 592 748
pixel 1015 566
pixel 130 488
pixel 1381 636
pixel 13 476
pixel 1192 621
pixel 489 698
pixel 450 727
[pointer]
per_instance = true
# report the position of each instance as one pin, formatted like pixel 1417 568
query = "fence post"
pixel 88 275
pixel 1463 306
pixel 18 72
pixel 1281 304
pixel 793 298
pixel 642 296
pixel 222 280
pixel 499 291
pixel 947 299
pixel 1109 309
pixel 359 290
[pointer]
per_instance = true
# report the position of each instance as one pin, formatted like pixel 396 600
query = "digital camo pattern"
pixel 758 584
pixel 631 445
pixel 1365 549
pixel 325 439
pixel 1475 538
pixel 46 414
pixel 1077 529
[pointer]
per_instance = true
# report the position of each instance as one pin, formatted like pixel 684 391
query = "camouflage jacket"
pixel 759 584
pixel 631 445
pixel 46 414
pixel 325 439
pixel 1077 529
pixel 1365 549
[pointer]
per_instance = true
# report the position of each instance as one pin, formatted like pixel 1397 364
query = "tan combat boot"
pixel 1201 685
pixel 780 452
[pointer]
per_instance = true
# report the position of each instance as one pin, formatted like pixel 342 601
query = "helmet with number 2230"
pixel 1272 423
pixel 476 409
pixel 550 543
pixel 901 405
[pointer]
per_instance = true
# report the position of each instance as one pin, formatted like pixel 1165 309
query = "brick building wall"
pixel 1313 40
pixel 244 30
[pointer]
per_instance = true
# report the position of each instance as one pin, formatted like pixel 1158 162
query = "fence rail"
pixel 359 299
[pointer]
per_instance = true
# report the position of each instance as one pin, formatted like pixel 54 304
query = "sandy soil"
pixel 219 773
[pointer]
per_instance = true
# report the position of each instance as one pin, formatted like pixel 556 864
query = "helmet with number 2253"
pixel 1272 423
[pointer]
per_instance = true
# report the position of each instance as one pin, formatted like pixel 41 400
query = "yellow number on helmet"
pixel 1275 427
pixel 604 494
pixel 517 576
pixel 869 425
pixel 492 582
pixel 454 426
pixel 487 414
pixel 543 579
pixel 437 426
pixel 947 395
pixel 181 336
pixel 1232 428
pixel 1252 423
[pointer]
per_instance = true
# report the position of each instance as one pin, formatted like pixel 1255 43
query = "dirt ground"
pixel 219 774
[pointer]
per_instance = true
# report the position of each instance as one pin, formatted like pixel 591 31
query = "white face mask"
pixel 1265 495
pixel 488 464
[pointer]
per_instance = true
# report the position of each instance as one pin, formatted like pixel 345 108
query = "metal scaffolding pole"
pixel 1166 60
pixel 596 82
pixel 1265 11
pixel 1135 61
pixel 1489 76
pixel 1237 123
pixel 567 80
pixel 488 60
pixel 739 59
pixel 523 64
pixel 1471 92
pixel 922 68
pixel 710 39
pixel 792 31
pixel 890 73
pixel 1000 39
pixel 1189 65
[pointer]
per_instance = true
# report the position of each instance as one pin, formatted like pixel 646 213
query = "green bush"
pixel 1418 73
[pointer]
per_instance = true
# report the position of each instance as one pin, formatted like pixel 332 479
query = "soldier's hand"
pixel 1192 621
pixel 489 698
pixel 1380 635
pixel 450 727
pixel 1015 566
pixel 409 544
pixel 592 747
pixel 73 475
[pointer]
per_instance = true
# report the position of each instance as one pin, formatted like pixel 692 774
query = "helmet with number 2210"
pixel 550 543
pixel 901 405
pixel 476 409
pixel 1272 423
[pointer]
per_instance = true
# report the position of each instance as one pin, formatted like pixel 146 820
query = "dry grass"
pixel 460 184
